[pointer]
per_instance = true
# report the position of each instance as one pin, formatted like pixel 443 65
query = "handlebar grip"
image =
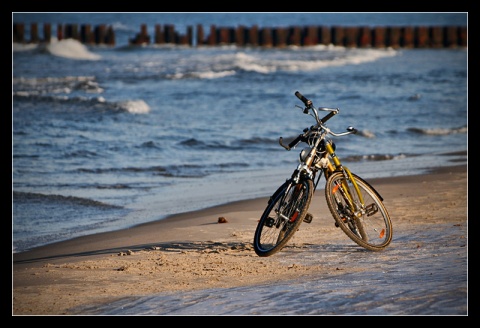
pixel 291 144
pixel 307 102
pixel 328 116
pixel 295 141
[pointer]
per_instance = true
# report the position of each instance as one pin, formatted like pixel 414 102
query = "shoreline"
pixel 247 186
pixel 192 251
pixel 259 203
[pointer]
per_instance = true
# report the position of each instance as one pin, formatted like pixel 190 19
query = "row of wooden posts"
pixel 348 36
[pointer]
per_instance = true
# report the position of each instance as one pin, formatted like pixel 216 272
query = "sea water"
pixel 104 138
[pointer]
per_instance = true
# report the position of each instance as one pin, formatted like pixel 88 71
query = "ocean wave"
pixel 71 49
pixel 366 133
pixel 219 63
pixel 149 144
pixel 315 59
pixel 19 197
pixel 95 103
pixel 67 48
pixel 241 144
pixel 59 90
pixel 133 106
pixel 440 131
pixel 177 171
pixel 200 75
pixel 55 85
pixel 375 157
pixel 20 47
pixel 83 154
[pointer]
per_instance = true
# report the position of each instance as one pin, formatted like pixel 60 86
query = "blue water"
pixel 109 137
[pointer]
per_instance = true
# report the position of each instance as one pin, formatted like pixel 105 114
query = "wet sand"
pixel 190 264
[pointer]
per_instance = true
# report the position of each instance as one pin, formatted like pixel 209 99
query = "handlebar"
pixel 320 122
pixel 309 105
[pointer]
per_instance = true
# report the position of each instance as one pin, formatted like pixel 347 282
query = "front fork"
pixel 344 188
pixel 294 182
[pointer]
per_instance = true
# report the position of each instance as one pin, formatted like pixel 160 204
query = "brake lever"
pixel 281 144
pixel 305 110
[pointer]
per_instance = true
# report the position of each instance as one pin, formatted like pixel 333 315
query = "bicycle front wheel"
pixel 285 212
pixel 363 218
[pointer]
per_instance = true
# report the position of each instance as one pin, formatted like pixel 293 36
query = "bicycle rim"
pixel 282 217
pixel 367 224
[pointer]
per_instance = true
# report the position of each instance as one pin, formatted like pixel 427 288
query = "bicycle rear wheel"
pixel 367 223
pixel 285 212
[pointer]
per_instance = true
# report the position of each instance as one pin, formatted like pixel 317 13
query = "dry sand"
pixel 193 252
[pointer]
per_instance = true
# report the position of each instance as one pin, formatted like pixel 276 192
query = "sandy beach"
pixel 192 253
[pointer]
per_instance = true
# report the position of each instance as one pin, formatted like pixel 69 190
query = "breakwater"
pixel 348 36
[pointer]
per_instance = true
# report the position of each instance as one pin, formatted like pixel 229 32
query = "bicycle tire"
pixel 373 228
pixel 275 228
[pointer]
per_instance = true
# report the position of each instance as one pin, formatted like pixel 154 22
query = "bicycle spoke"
pixel 367 225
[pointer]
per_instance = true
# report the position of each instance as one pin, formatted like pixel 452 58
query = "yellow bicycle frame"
pixel 339 166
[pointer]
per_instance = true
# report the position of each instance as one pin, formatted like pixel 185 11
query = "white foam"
pixel 135 106
pixel 17 47
pixel 70 48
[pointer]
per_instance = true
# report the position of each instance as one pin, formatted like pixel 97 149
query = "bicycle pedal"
pixel 308 218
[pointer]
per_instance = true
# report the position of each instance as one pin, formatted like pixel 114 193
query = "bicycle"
pixel 355 205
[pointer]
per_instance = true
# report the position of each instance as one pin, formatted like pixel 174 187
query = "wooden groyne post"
pixel 267 37
pixel 101 34
pixel 358 37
